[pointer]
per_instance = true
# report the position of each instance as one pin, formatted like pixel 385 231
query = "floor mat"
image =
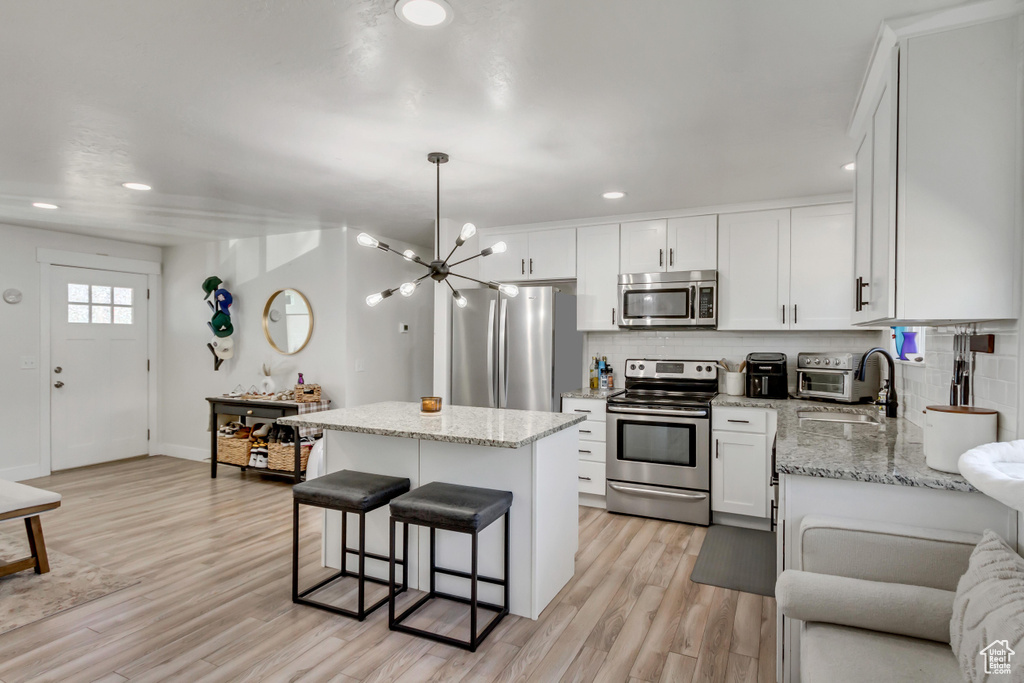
pixel 738 559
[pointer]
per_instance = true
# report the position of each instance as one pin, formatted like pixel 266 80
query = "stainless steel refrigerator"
pixel 520 352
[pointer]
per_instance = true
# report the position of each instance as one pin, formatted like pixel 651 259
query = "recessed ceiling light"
pixel 850 166
pixel 424 12
pixel 142 187
pixel 44 205
pixel 614 195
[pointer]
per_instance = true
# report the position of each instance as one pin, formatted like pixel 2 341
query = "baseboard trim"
pixel 592 500
pixel 183 452
pixel 23 472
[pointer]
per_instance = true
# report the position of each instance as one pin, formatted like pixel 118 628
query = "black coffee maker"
pixel 766 375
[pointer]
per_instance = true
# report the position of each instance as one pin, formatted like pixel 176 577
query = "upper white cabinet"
pixel 537 255
pixel 597 268
pixel 675 244
pixel 937 177
pixel 786 269
pixel 643 247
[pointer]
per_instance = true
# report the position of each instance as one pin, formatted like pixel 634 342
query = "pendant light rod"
pixel 438 158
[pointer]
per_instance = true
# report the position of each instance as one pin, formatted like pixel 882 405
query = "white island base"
pixel 542 477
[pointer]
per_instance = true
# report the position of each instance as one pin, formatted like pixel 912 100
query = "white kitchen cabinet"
pixel 787 269
pixel 510 266
pixel 739 482
pixel 597 271
pixel 937 195
pixel 753 270
pixel 820 267
pixel 537 255
pixel 591 447
pixel 643 247
pixel 692 243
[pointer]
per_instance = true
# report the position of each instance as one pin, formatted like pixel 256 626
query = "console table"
pixel 271 410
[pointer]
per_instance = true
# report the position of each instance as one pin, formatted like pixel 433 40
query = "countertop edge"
pixel 888 479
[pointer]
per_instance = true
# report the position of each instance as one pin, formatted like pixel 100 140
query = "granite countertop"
pixel 592 393
pixel 891 453
pixel 498 428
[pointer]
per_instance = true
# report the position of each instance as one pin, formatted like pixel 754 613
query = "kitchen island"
pixel 532 454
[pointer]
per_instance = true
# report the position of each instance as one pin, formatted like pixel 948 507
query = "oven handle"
pixel 684 412
pixel 662 494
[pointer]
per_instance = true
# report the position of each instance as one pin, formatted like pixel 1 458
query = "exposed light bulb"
pixel 141 187
pixel 409 255
pixel 366 241
pixel 508 290
pixel 374 299
pixel 499 248
pixel 407 288
pixel 44 205
pixel 850 166
pixel 614 195
pixel 468 230
pixel 460 300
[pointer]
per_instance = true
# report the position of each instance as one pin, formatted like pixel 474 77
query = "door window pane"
pixel 100 295
pixel 78 294
pixel 122 315
pixel 101 314
pixel 77 313
pixel 123 296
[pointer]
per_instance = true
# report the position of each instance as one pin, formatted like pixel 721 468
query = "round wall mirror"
pixel 288 321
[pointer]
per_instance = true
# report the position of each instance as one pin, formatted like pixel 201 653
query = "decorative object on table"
pixel 430 405
pixel 267 384
pixel 307 393
pixel 288 321
pixel 12 296
pixel 301 380
pixel 439 268
pixel 221 346
pixel 951 431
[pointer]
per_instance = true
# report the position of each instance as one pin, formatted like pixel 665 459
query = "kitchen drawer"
pixel 740 419
pixel 592 477
pixel 592 450
pixel 593 408
pixel 592 430
pixel 248 411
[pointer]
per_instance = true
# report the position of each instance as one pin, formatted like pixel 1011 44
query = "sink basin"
pixel 839 416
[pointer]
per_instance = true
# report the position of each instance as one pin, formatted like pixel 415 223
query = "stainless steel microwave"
pixel 685 299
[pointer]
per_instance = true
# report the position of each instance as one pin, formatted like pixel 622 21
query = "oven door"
pixel 667 448
pixel 834 384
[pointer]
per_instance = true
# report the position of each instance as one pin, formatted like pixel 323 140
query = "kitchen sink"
pixel 844 417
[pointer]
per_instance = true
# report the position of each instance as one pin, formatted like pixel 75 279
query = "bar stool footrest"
pixel 397 624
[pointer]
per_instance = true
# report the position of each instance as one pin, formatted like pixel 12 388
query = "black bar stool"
pixel 357 493
pixel 464 509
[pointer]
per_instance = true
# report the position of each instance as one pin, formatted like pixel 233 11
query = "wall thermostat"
pixel 12 296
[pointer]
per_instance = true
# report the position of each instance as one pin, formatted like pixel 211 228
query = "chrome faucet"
pixel 890 400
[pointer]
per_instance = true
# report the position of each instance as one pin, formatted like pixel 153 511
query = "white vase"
pixel 268 386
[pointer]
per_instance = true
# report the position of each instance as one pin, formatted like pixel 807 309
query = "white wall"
pixel 336 276
pixel 20 456
pixel 718 344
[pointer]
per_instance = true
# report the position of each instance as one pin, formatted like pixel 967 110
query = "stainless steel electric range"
pixel 659 440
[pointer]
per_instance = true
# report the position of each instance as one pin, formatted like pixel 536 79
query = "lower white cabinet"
pixel 591 446
pixel 741 461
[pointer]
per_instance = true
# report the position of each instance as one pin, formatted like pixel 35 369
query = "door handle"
pixel 745 422
pixel 582 478
pixel 583 451
pixel 531 266
pixel 717 442
pixel 580 410
pixel 663 494
pixel 794 314
pixel 671 256
pixel 58 384
pixel 860 303
pixel 586 431
pixel 492 394
pixel 613 316
pixel 783 314
pixel 661 257
pixel 523 266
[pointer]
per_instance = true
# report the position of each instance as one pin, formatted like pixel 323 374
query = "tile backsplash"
pixel 714 345
pixel 994 382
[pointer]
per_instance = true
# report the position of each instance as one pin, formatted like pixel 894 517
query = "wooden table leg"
pixel 34 527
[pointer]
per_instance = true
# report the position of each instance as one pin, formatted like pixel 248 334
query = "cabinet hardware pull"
pixel 717 442
pixel 860 303
pixel 783 314
pixel 794 314
pixel 531 266
pixel 582 478
pixel 580 410
pixel 671 256
pixel 746 422
pixel 585 431
pixel 523 266
pixel 661 257
pixel 583 451
pixel 613 316
pixel 248 412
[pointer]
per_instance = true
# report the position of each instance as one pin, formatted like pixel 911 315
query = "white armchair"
pixel 875 600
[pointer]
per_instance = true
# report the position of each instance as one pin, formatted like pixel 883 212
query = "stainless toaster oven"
pixel 832 375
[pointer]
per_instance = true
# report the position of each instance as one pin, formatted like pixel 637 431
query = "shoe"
pixel 252 458
pixel 261 461
pixel 261 429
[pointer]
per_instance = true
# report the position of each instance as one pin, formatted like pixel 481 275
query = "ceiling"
pixel 272 116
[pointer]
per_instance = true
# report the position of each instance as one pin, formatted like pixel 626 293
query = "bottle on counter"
pixel 611 377
pixel 603 372
pixel 594 379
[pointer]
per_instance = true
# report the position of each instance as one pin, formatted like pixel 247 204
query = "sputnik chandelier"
pixel 439 270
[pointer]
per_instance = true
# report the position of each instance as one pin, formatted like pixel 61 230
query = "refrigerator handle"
pixel 503 355
pixel 491 394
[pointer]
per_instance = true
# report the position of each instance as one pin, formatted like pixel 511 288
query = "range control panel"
pixel 646 368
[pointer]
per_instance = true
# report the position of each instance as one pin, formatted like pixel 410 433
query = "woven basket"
pixel 233 451
pixel 307 393
pixel 281 456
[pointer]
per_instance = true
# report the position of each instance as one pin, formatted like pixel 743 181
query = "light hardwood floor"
pixel 213 599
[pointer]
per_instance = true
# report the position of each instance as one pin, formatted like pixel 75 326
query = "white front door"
pixel 98 366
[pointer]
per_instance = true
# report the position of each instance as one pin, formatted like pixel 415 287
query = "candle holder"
pixel 430 405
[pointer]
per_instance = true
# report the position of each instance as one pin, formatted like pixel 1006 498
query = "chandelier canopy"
pixel 438 270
